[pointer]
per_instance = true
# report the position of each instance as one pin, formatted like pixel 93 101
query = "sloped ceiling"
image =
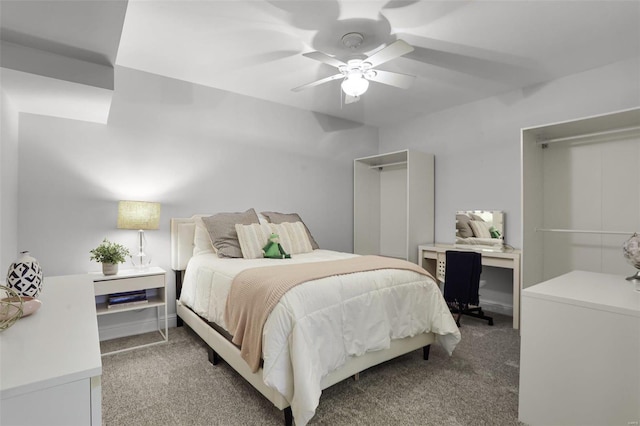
pixel 57 57
pixel 464 50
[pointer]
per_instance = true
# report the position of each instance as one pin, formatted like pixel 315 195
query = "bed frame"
pixel 182 234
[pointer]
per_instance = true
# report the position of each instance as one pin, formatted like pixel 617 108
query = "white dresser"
pixel 50 363
pixel 580 351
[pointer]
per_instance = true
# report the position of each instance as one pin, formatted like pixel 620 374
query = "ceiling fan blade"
pixel 392 51
pixel 317 83
pixel 348 99
pixel 403 81
pixel 323 57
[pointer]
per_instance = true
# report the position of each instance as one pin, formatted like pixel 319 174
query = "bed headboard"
pixel 182 234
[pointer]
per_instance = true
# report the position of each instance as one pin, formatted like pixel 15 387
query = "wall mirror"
pixel 480 229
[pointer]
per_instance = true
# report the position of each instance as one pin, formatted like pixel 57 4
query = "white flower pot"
pixel 109 268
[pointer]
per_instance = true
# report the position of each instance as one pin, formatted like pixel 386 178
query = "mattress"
pixel 320 324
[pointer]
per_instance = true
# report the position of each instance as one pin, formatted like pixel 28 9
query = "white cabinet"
pixel 152 280
pixel 393 204
pixel 580 351
pixel 50 361
pixel 580 195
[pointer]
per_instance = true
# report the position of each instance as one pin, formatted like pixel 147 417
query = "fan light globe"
pixel 355 84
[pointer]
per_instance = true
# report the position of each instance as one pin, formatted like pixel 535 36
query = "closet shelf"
pixel 583 231
pixel 397 163
pixel 632 129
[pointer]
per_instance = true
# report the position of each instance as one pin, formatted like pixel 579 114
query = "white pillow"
pixel 293 237
pixel 252 239
pixel 480 229
pixel 201 240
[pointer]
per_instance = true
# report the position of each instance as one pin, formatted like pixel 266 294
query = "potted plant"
pixel 109 254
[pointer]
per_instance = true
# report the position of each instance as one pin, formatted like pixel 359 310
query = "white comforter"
pixel 316 327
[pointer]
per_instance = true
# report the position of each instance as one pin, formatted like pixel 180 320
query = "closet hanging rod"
pixel 588 135
pixel 583 231
pixel 379 166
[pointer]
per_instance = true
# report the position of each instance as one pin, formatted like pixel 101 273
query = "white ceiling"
pixel 464 50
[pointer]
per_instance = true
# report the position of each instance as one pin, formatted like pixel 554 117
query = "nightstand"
pixel 152 280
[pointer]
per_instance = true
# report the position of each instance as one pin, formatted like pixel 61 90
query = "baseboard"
pixel 497 307
pixel 131 328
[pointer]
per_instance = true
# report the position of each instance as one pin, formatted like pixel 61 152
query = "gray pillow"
pixel 275 217
pixel 463 227
pixel 222 231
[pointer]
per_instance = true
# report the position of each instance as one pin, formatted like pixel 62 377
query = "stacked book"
pixel 129 298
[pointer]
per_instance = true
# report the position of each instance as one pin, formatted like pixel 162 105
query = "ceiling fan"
pixel 357 72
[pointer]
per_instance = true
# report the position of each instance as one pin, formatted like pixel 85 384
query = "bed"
pixel 356 320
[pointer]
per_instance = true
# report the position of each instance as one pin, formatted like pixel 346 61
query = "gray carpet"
pixel 174 384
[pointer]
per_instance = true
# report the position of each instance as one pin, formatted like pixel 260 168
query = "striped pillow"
pixel 293 237
pixel 253 238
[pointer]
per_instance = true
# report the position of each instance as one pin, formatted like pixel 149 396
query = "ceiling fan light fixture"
pixel 352 40
pixel 355 84
pixel 359 70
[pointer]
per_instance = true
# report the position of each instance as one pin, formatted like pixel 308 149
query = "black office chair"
pixel 461 284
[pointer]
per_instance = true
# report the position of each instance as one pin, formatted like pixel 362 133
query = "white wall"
pixel 477 146
pixel 8 183
pixel 192 148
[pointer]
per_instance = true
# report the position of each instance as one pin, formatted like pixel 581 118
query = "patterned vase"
pixel 25 276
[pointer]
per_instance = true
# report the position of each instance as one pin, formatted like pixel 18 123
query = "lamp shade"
pixel 138 215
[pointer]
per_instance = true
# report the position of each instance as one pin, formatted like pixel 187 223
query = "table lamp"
pixel 140 215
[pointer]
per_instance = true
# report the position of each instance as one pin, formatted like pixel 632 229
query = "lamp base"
pixel 141 262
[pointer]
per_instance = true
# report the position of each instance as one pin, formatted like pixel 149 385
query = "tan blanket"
pixel 256 291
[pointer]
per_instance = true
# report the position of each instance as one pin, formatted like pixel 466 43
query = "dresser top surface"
pixel 590 289
pixel 57 344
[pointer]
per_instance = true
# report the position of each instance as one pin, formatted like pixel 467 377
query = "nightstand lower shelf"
pixel 106 345
pixel 102 308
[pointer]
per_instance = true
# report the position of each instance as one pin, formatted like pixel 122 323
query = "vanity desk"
pixel 432 258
